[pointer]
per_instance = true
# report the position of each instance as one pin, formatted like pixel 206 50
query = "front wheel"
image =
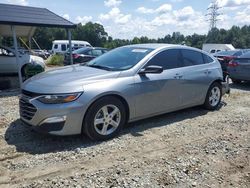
pixel 213 97
pixel 104 119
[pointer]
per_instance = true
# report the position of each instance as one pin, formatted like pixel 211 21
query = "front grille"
pixel 26 109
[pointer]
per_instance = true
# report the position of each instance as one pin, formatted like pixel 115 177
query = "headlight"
pixel 57 99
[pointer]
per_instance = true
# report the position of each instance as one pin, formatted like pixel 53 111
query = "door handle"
pixel 207 72
pixel 178 76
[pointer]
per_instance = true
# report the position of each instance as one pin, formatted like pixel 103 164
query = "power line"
pixel 213 13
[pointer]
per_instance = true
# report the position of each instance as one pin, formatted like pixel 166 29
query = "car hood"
pixel 67 79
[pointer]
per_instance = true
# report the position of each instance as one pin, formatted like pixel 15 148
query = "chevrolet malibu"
pixel 124 85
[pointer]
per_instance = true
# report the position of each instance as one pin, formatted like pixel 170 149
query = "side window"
pixel 56 46
pixel 63 46
pixel 191 57
pixel 97 52
pixel 207 59
pixel 168 59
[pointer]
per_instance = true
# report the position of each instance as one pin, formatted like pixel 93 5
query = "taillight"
pixel 75 56
pixel 233 64
pixel 228 58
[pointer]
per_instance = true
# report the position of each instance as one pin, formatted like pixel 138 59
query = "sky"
pixel 126 19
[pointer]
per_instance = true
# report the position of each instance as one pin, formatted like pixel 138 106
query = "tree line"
pixel 96 35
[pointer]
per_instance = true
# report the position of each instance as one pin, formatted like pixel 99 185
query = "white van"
pixel 61 46
pixel 214 48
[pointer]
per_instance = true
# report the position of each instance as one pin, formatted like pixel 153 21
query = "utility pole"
pixel 213 13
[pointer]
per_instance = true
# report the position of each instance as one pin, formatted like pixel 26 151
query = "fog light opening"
pixel 57 119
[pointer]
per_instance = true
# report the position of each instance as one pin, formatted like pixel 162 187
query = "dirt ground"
pixel 188 148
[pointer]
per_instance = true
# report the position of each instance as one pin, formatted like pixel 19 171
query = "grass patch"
pixel 55 60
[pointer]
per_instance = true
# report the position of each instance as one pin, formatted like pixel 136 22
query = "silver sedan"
pixel 124 85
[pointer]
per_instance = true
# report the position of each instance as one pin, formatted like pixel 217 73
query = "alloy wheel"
pixel 214 97
pixel 107 119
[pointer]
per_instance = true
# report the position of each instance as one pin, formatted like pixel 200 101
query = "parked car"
pixel 8 63
pixel 84 55
pixel 239 68
pixel 40 53
pixel 225 57
pixel 124 85
pixel 61 46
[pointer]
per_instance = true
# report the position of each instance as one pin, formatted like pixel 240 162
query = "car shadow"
pixel 26 140
pixel 245 86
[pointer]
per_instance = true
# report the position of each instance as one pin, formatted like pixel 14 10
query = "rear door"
pixel 195 78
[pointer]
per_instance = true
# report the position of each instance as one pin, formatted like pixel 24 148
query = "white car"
pixel 8 63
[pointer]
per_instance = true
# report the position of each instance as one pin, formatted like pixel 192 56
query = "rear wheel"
pixel 213 97
pixel 105 118
pixel 236 81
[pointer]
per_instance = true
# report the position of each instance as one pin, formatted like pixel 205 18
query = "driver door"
pixel 159 93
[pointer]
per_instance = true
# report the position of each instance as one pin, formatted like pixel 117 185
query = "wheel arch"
pixel 120 97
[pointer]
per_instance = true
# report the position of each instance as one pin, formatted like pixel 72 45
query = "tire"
pixel 213 97
pixel 236 81
pixel 99 122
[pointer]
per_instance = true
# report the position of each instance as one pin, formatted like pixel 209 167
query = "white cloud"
pixel 185 20
pixel 83 19
pixel 164 8
pixel 233 3
pixel 164 20
pixel 243 17
pixel 161 10
pixel 66 16
pixel 18 2
pixel 184 13
pixel 144 10
pixel 115 15
pixel 112 3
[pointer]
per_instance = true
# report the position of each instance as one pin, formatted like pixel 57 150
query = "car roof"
pixel 153 45
pixel 227 52
pixel 245 55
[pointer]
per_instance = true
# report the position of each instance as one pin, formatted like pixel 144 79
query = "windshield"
pixel 120 59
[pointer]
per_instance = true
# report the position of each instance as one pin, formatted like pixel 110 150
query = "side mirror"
pixel 152 69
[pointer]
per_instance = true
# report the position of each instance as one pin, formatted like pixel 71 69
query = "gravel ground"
pixel 188 148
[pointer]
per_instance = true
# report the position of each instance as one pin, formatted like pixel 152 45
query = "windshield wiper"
pixel 100 67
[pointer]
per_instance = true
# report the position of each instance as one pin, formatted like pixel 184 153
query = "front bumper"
pixel 56 119
pixel 46 128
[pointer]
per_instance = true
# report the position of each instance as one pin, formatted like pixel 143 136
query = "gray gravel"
pixel 189 148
